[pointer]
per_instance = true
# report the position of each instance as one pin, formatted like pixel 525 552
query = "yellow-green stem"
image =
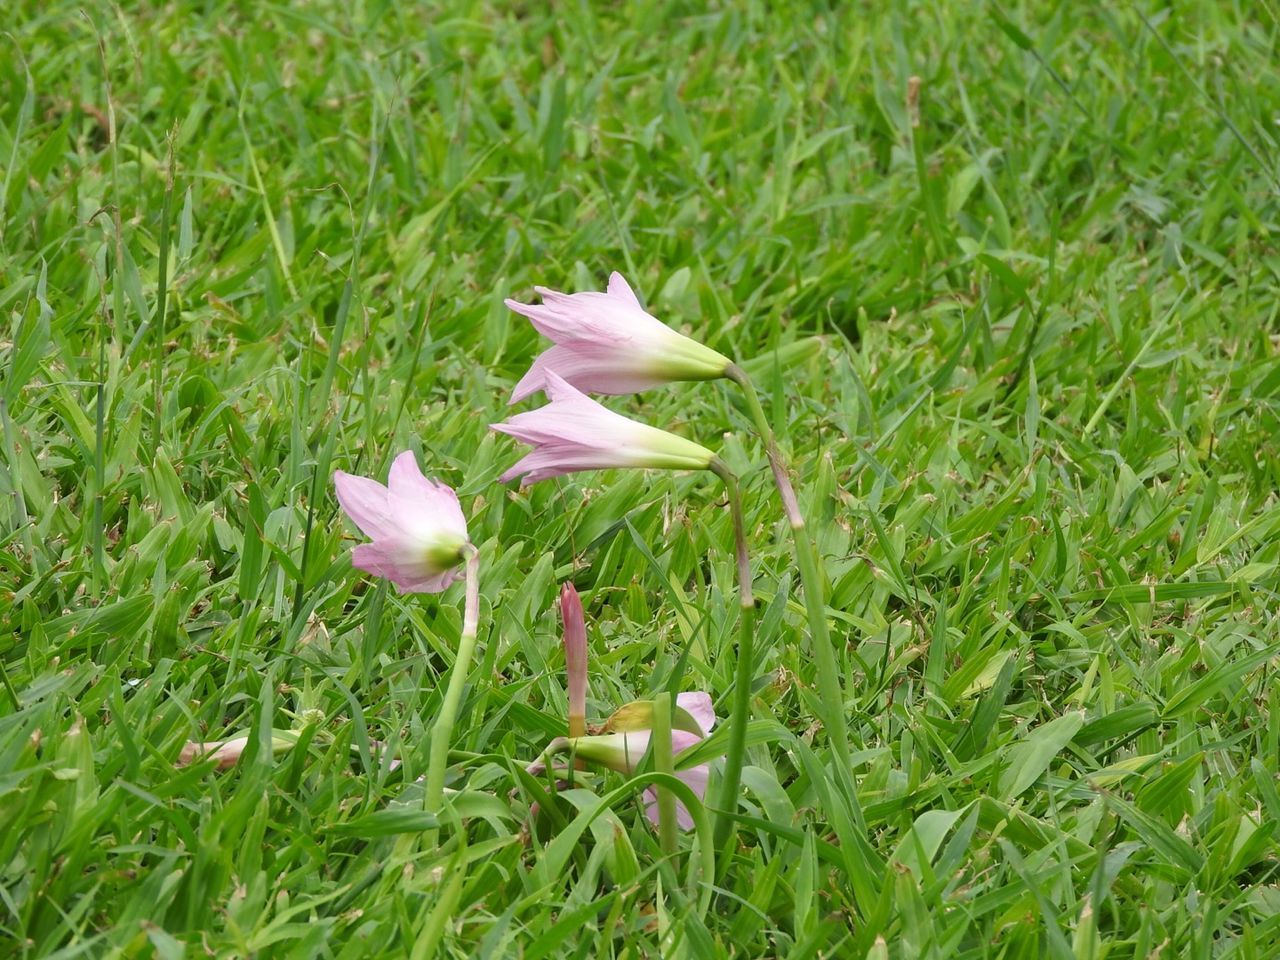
pixel 811 578
pixel 664 762
pixel 744 672
pixel 442 732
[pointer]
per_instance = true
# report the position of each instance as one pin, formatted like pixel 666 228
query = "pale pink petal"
pixel 635 743
pixel 365 502
pixel 551 324
pixel 588 366
pixel 604 317
pixel 402 560
pixel 561 391
pixel 607 318
pixel 698 705
pixel 621 290
pixel 554 460
pixel 572 418
pixel 696 778
pixel 419 504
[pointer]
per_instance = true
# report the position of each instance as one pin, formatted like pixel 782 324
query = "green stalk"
pixel 664 762
pixel 162 305
pixel 811 578
pixel 744 671
pixel 443 730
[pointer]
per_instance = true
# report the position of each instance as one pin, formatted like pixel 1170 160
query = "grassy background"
pixel 1036 440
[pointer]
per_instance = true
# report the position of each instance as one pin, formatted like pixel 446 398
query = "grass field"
pixel 1007 278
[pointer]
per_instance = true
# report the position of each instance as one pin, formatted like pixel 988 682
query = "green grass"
pixel 1036 440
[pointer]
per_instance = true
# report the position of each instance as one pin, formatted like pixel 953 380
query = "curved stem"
pixel 811 578
pixel 443 729
pixel 744 672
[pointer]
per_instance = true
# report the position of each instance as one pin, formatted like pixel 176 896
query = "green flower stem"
pixel 443 730
pixel 744 671
pixel 811 578
pixel 664 762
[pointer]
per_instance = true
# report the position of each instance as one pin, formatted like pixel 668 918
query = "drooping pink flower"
pixel 417 532
pixel 574 432
pixel 624 751
pixel 607 343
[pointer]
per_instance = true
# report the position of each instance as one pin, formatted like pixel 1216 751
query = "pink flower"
pixel 228 752
pixel 607 343
pixel 574 432
pixel 418 533
pixel 624 751
pixel 225 752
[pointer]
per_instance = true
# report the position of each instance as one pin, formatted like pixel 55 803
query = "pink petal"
pixel 365 502
pixel 570 417
pixel 589 367
pixel 698 705
pixel 696 778
pixel 635 746
pixel 682 740
pixel 621 290
pixel 401 559
pixel 419 504
pixel 552 460
pixel 607 318
pixel 550 323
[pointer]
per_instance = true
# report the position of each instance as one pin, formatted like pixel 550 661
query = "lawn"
pixel 1006 278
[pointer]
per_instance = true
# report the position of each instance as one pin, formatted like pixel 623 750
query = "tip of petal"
pixel 621 290
pixel 529 384
pixel 558 388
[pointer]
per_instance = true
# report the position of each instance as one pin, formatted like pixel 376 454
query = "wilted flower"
pixel 574 432
pixel 416 526
pixel 607 343
pixel 227 753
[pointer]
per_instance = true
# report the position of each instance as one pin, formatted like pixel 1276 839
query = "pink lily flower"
pixel 418 532
pixel 574 432
pixel 607 343
pixel 623 752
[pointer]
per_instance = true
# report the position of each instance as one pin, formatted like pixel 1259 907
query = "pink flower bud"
pixel 575 658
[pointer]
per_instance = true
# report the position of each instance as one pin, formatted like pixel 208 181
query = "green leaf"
pixel 1031 757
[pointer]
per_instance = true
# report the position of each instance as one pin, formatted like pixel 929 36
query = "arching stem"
pixel 811 578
